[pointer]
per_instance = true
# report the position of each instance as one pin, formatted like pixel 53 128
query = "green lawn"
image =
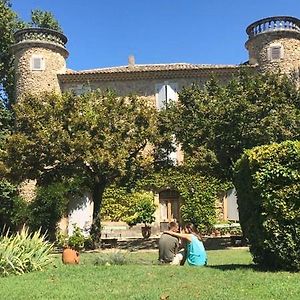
pixel 229 275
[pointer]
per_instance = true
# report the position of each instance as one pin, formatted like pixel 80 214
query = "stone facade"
pixel 273 45
pixel 281 33
pixel 33 81
pixel 40 55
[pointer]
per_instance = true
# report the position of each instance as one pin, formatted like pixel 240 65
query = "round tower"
pixel 274 44
pixel 40 55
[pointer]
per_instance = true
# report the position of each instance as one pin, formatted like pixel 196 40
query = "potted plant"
pixel 143 212
pixel 71 245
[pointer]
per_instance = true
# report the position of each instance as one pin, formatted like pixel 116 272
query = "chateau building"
pixel 40 63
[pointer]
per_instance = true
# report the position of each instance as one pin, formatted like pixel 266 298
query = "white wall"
pixel 80 212
pixel 232 206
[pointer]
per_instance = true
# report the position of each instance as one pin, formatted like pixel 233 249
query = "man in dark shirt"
pixel 168 246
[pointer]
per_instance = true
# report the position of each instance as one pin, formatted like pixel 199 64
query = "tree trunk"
pixel 98 190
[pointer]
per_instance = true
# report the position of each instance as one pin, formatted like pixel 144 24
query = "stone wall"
pixel 27 190
pixel 34 81
pixel 142 87
pixel 258 51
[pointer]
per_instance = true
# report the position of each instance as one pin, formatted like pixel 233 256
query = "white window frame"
pixel 164 93
pixel 32 63
pixel 271 55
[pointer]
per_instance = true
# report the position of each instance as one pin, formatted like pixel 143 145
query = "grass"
pixel 230 275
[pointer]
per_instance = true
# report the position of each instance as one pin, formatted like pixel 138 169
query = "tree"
pixel 9 22
pixel 216 123
pixel 5 129
pixel 97 136
pixel 44 19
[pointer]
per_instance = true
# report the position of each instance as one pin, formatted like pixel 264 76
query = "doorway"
pixel 169 204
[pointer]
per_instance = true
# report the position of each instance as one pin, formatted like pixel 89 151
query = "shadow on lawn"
pixel 233 267
pixel 138 244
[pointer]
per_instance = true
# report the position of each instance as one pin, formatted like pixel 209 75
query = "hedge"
pixel 267 179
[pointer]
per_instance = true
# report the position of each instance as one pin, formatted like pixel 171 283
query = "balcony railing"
pixel 40 34
pixel 280 23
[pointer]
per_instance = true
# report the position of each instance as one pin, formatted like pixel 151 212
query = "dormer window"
pixel 37 63
pixel 275 52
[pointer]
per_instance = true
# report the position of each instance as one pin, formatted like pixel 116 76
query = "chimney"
pixel 131 61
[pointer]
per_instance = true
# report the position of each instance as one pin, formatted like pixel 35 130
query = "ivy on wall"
pixel 199 196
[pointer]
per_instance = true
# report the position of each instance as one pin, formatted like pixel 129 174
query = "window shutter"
pixel 172 92
pixel 37 63
pixel 275 52
pixel 160 96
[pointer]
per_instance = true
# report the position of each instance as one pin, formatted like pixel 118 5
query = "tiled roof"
pixel 151 67
pixel 151 71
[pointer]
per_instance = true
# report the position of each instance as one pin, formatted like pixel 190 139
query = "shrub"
pixel 48 207
pixel 116 258
pixel 24 252
pixel 76 241
pixel 116 204
pixel 143 209
pixel 12 207
pixel 267 180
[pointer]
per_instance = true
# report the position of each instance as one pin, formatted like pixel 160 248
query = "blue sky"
pixel 103 33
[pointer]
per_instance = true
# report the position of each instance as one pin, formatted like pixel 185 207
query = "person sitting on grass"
pixel 195 251
pixel 168 247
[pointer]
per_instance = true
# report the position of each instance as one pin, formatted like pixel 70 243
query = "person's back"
pixel 168 247
pixel 196 253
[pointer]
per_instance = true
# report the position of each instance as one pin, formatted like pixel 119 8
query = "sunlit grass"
pixel 230 275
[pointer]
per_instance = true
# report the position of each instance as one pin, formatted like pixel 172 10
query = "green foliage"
pixel 142 210
pixel 13 209
pixel 48 207
pixel 44 19
pixel 6 121
pixel 133 207
pixel 199 194
pixel 216 123
pixel 9 22
pixel 268 187
pixel 76 241
pixel 97 136
pixel 116 204
pixel 23 252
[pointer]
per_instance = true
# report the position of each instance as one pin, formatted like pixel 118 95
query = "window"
pixel 37 63
pixel 165 93
pixel 275 52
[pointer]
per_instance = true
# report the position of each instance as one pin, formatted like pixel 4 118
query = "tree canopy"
pixel 215 124
pixel 9 22
pixel 98 136
pixel 44 19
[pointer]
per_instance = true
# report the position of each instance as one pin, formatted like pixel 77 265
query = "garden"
pixel 68 145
